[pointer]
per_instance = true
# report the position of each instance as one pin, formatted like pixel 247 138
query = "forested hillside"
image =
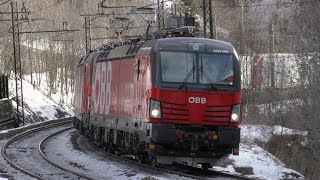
pixel 47 50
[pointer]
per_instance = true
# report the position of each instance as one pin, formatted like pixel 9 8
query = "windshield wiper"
pixel 183 84
pixel 211 83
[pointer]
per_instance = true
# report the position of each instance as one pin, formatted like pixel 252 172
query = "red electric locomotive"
pixel 166 100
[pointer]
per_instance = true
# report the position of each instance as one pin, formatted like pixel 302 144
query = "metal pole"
pixel 17 59
pixel 204 18
pixel 241 29
pixel 211 21
pixel 272 55
pixel 87 29
pixel 158 15
pixel 162 9
pixel 207 18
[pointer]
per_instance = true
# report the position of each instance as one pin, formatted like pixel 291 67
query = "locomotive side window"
pixel 139 71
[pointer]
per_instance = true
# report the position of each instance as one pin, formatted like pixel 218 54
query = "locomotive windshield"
pixel 196 68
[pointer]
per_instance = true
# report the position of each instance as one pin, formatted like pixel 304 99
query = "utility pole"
pixel 241 29
pixel 207 18
pixel 17 60
pixel 272 78
pixel 160 14
pixel 87 30
pixel 242 4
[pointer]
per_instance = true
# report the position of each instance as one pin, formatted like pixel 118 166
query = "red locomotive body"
pixel 165 100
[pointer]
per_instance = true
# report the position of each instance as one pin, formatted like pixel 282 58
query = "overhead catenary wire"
pixel 2 3
pixel 264 5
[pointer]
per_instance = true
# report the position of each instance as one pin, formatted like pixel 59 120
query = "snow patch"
pixel 263 133
pixel 264 164
pixel 38 106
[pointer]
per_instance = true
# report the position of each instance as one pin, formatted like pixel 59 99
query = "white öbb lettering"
pixel 197 100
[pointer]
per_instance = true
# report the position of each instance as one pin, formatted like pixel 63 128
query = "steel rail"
pixel 55 164
pixel 21 135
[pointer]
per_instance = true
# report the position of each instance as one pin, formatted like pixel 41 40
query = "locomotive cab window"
pixel 219 67
pixel 195 69
pixel 175 66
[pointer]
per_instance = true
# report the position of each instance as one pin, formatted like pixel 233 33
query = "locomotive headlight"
pixel 155 112
pixel 234 117
pixel 155 109
pixel 235 114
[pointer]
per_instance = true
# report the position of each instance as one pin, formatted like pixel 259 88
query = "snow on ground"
pixel 265 165
pixel 38 106
pixel 250 133
pixel 85 158
pixel 64 100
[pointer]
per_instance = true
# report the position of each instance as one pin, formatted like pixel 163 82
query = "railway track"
pixel 24 153
pixel 181 170
pixel 43 154
pixel 33 160
pixel 48 158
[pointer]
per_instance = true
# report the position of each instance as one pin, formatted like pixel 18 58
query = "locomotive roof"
pixel 183 44
pixel 176 44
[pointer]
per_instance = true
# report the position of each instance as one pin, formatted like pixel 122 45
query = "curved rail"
pixel 55 164
pixel 10 141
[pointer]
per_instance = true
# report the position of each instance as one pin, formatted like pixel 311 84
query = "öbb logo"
pixel 102 88
pixel 197 100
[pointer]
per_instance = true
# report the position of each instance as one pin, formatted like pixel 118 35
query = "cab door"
pixel 137 88
pixel 86 88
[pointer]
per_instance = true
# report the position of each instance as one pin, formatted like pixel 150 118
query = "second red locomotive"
pixel 162 100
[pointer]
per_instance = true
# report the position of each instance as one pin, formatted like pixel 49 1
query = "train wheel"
pixel 205 166
pixel 74 123
pixel 91 133
pixel 117 153
pixel 154 162
pixel 141 157
pixel 81 130
pixel 112 148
